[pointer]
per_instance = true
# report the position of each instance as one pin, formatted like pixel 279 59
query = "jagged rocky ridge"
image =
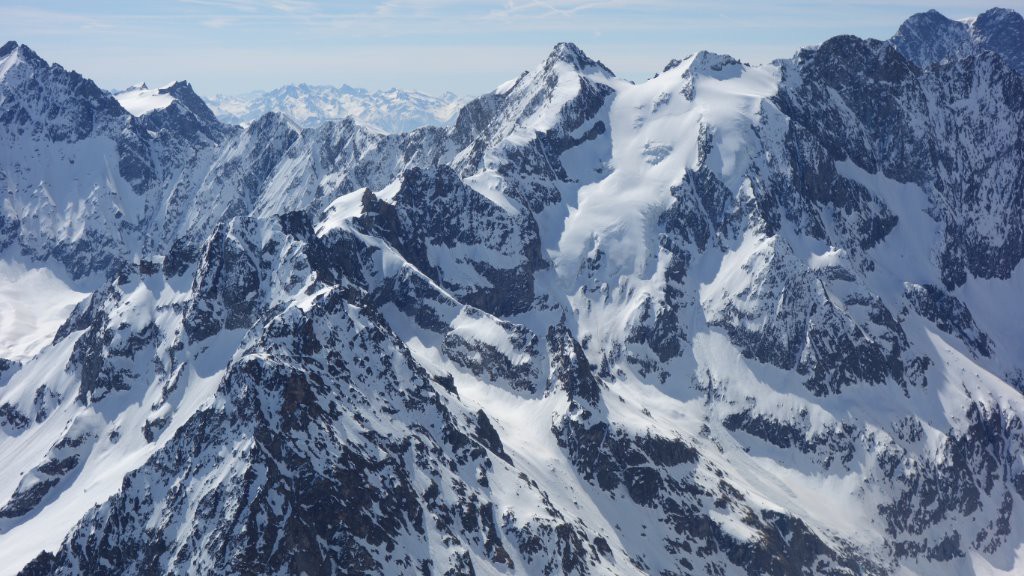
pixel 730 320
pixel 931 38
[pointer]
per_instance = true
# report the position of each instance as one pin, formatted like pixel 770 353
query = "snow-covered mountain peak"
pixel 140 99
pixel 12 54
pixel 571 54
pixel 1001 30
pixel 7 48
pixel 705 63
pixel 930 17
pixel 700 114
pixel 847 59
pixel 8 57
pixel 46 97
pixel 22 51
pixel 555 94
pixel 932 38
pixel 183 93
pixel 997 17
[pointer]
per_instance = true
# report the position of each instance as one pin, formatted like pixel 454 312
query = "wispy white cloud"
pixel 218 22
pixel 252 6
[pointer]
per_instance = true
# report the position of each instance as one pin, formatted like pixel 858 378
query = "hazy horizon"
pixel 433 46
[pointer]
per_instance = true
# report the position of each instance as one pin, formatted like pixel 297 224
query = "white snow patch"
pixel 340 210
pixel 505 86
pixel 833 257
pixel 33 305
pixel 485 329
pixel 138 100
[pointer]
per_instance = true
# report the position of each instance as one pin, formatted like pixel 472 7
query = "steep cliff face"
pixel 729 320
pixel 931 38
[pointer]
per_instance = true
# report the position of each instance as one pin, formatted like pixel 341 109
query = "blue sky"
pixel 232 46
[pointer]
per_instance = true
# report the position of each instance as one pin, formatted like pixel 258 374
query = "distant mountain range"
pixel 389 111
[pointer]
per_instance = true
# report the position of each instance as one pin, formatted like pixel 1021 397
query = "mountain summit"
pixel 930 37
pixel 572 55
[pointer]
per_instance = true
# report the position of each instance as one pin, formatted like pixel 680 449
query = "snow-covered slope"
pixel 139 99
pixel 391 110
pixel 730 320
pixel 33 305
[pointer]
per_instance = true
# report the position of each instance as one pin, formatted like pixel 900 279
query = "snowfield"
pixel 33 305
pixel 140 99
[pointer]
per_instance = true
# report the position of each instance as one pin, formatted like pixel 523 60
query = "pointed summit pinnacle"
pixel 570 54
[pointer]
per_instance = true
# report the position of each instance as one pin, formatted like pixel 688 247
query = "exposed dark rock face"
pixel 949 314
pixel 443 227
pixel 931 38
pixel 885 120
pixel 228 282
